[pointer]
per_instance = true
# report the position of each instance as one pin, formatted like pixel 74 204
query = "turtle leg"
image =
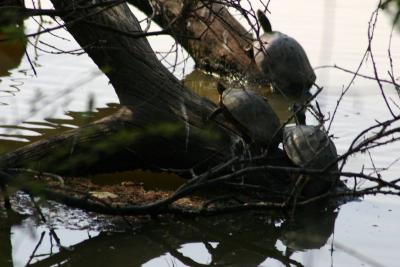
pixel 214 114
pixel 249 51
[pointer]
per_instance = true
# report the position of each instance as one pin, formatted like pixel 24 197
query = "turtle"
pixel 250 114
pixel 282 60
pixel 310 147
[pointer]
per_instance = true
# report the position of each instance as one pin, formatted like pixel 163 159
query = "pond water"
pixel 359 233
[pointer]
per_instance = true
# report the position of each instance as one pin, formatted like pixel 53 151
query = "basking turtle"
pixel 250 114
pixel 310 147
pixel 282 59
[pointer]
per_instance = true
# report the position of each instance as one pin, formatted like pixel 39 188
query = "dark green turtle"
pixel 282 60
pixel 250 114
pixel 310 147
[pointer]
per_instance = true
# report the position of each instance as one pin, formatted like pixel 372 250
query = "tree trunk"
pixel 163 124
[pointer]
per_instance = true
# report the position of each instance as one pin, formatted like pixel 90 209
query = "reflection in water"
pixel 310 229
pixel 5 242
pixel 206 86
pixel 31 131
pixel 245 239
pixel 12 43
pixel 11 53
pixel 14 88
pixel 7 221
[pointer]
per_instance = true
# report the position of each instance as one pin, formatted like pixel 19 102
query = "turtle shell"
pixel 253 113
pixel 284 62
pixel 308 146
pixel 311 147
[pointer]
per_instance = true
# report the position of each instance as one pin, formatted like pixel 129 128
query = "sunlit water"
pixel 332 32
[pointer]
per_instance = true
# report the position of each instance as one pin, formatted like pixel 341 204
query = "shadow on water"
pixel 246 239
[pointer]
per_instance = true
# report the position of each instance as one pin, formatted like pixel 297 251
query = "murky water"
pixel 362 233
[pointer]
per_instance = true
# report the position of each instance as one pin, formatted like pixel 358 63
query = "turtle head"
pixel 264 22
pixel 299 113
pixel 221 88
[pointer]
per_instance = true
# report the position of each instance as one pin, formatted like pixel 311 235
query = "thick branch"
pixel 217 42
